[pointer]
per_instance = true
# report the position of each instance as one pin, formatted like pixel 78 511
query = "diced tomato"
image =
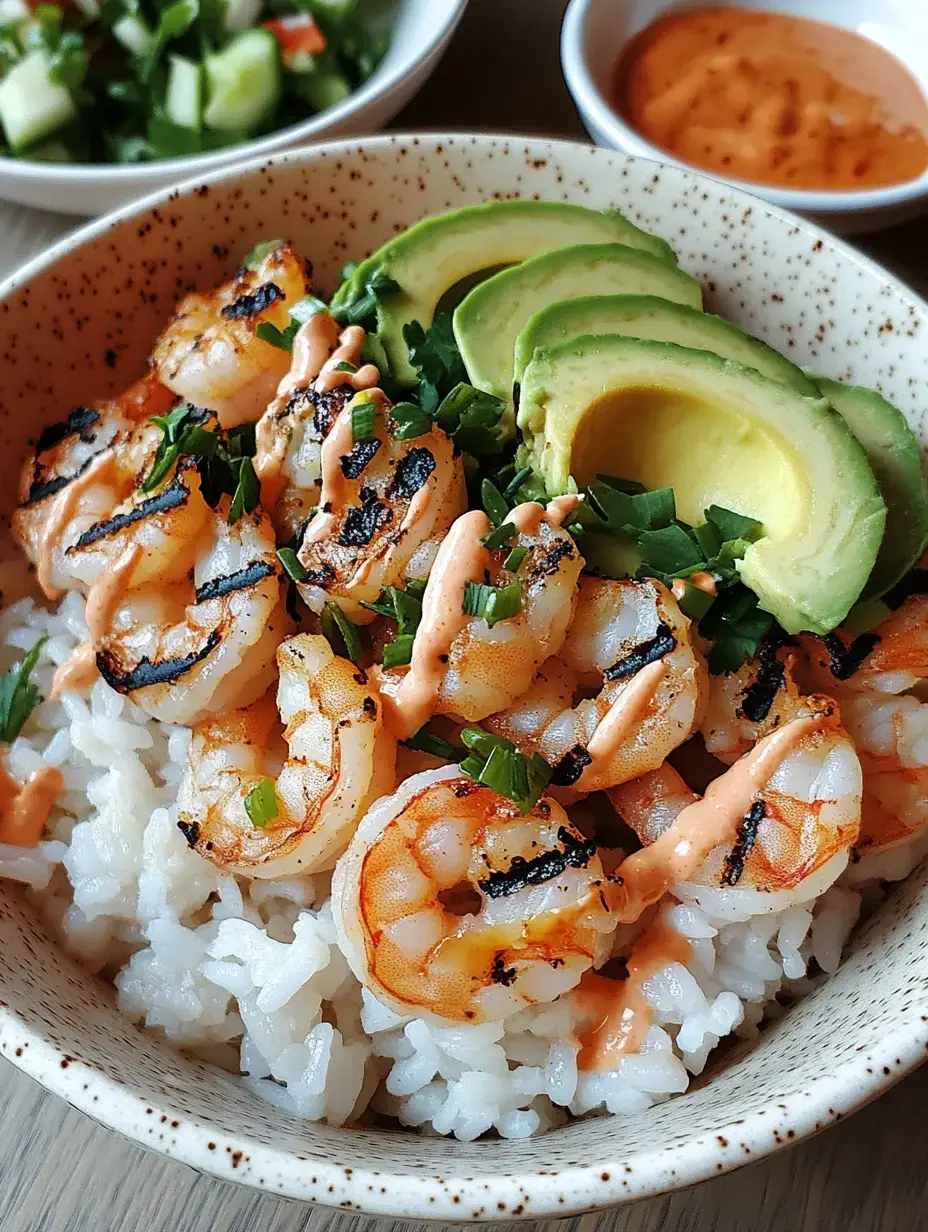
pixel 295 34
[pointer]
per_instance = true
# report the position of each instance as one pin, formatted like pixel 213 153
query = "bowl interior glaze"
pixel 78 323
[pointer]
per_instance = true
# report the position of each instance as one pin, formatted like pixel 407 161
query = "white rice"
pixel 250 976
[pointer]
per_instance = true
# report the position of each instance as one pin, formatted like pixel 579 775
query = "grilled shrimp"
pixel 332 758
pixel 745 705
pixel 452 906
pixel 82 468
pixel 386 504
pixel 209 353
pixel 891 737
pixel 461 664
pixel 793 841
pixel 325 373
pixel 631 641
pixel 186 650
pixel 891 658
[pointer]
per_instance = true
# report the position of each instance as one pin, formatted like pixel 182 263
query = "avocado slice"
pixel 896 459
pixel 716 432
pixel 490 319
pixel 434 255
pixel 646 316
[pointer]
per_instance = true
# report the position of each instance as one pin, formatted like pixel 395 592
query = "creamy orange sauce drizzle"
pixel 620 1011
pixel 24 811
pixel 317 349
pixel 65 505
pixel 702 826
pixel 348 352
pixel 528 516
pixel 701 580
pixel 774 99
pixel 80 667
pixel 461 558
pixel 616 723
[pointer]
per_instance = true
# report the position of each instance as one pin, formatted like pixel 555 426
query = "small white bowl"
pixel 595 32
pixel 421 33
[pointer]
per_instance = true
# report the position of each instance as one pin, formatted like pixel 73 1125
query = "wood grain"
pixel 59 1172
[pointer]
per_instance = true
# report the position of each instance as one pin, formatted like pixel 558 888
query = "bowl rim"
pixel 826 1099
pixel 593 104
pixel 381 83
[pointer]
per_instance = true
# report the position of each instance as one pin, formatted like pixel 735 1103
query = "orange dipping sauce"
pixel 774 99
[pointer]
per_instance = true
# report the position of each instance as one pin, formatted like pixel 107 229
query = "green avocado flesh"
pixel 717 432
pixel 437 253
pixel 646 316
pixel 896 460
pixel 488 321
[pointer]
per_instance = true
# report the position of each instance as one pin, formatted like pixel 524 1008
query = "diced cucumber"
pixel 183 100
pixel 240 14
pixel 243 82
pixel 31 104
pixel 324 89
pixel 135 34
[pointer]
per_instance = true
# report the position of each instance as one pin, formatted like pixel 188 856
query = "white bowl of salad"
pixel 103 100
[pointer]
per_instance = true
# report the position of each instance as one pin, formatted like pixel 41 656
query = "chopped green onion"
pixel 695 602
pixel 514 560
pixel 345 366
pixel 363 421
pixel 336 627
pixel 497 763
pixel 255 258
pixel 261 804
pixel 18 695
pixel 501 537
pixel 291 563
pixel 410 421
pixel 300 313
pixel 398 652
pixel 493 501
pixel 493 603
pixel 517 481
pixel 424 741
pixel 359 304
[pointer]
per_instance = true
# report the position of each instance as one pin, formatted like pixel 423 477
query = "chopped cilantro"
pixel 18 695
pixel 183 435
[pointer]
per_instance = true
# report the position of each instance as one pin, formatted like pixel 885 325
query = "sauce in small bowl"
pixel 773 99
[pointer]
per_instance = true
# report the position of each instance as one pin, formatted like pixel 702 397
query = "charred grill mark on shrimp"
pixel 844 661
pixel 250 305
pixel 412 473
pixel 573 853
pixel 363 521
pixel 77 423
pixel 173 497
pixel 733 869
pixel 242 579
pixel 146 673
pixel 571 766
pixel 644 653
pixel 760 694
pixel 355 463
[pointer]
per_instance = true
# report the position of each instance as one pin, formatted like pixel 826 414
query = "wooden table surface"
pixel 59 1172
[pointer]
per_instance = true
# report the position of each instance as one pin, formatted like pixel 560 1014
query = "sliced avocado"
pixel 717 433
pixel 646 316
pixel 437 253
pixel 490 319
pixel 896 459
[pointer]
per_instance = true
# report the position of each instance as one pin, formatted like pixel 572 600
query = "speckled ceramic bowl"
pixel 78 321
